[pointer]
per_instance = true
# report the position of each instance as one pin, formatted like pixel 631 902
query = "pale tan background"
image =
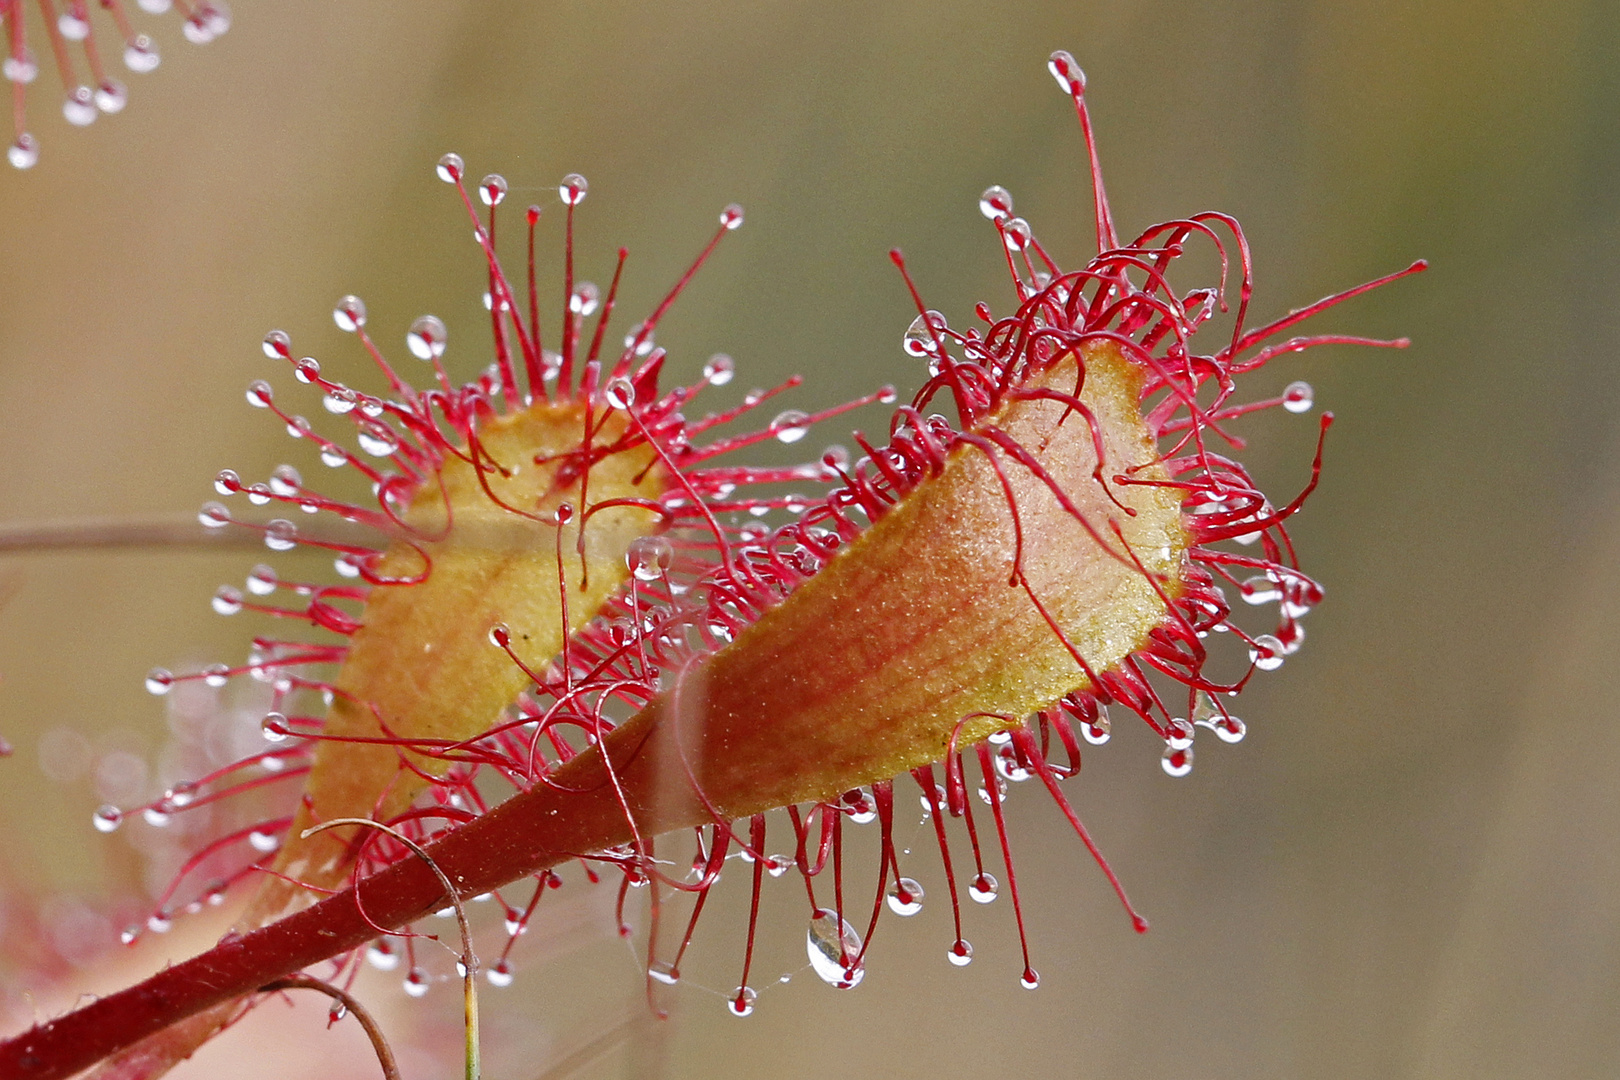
pixel 1412 866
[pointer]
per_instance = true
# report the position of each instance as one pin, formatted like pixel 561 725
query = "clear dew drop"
pixel 1178 734
pixel 22 69
pixel 216 675
pixel 573 189
pixel 984 888
pixel 1259 590
pixel 214 516
pixel 378 440
pixel 790 426
pixel 111 96
pixel 777 865
pixel 337 1011
pixel 639 340
pixel 79 107
pixel 918 339
pixel 263 841
pixel 742 1001
pixel 1229 729
pixel 584 299
pixel 281 535
pixel 1177 762
pixel 159 922
pixel 155 816
pixel 663 971
pixel 156 7
pixel 227 601
pixel 158 681
pixel 226 482
pixel 1030 979
pixel 492 189
pixel 828 941
pixel 451 168
pixel 128 935
pixel 905 897
pixel 960 953
pixel 996 203
pixel 259 394
pixel 499 974
pixel 24 152
pixel 620 393
pixel 732 217
pixel 1067 73
pixel 1267 653
pixel 107 818
pixel 285 480
pixel 1298 397
pixel 381 955
pixel 427 337
pixel 720 369
pixel 1017 234
pixel 349 314
pixel 72 25
pixel 141 55
pixel 648 557
pixel 416 983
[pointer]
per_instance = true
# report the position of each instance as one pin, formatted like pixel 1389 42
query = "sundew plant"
pixel 578 635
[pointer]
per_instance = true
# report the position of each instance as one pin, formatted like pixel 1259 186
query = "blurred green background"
pixel 1412 865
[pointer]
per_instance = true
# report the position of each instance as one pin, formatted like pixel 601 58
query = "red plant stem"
pixel 528 833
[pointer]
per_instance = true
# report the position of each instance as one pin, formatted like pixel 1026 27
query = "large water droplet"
pixel 720 369
pixel 663 971
pixel 378 440
pixel 648 557
pixel 141 55
pixel 919 338
pixel 1177 762
pixel 111 96
pixel 214 516
pixel 349 314
pixel 73 26
pixel 1267 653
pixel 281 535
pixel 274 727
pixel 492 189
pixel 381 955
pixel 1298 397
pixel 416 983
pixel 742 1001
pixel 1030 979
pixel 996 203
pixel 107 818
pixel 732 217
pixel 499 974
pixel 790 426
pixel 427 337
pixel 960 953
pixel 905 897
pixel 80 106
pixel 584 299
pixel 983 888
pixel 620 393
pixel 1017 234
pixel 831 943
pixel 573 189
pixel 1178 734
pixel 263 840
pixel 22 69
pixel 159 680
pixel 24 153
pixel 451 168
pixel 227 601
pixel 1067 73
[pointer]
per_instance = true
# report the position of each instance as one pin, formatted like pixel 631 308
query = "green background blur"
pixel 1412 865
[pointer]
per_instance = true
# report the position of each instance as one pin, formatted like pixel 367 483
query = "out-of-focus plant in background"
pixel 1407 868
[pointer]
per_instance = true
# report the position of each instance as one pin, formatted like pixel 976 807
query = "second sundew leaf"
pixel 936 626
pixel 422 666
